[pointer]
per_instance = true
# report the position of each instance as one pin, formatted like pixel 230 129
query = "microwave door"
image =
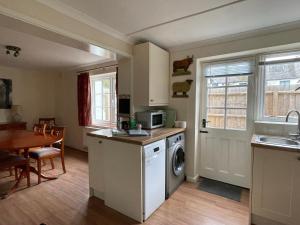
pixel 157 120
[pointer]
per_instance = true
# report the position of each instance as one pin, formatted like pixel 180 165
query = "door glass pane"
pixel 216 97
pixel 237 80
pixel 215 118
pixel 237 97
pixel 216 82
pixel 236 119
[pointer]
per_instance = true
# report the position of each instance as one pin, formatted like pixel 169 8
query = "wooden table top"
pixel 155 135
pixel 23 139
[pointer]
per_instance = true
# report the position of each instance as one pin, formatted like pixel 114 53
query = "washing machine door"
pixel 178 160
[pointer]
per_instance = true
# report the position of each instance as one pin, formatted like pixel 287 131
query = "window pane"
pixel 215 118
pixel 98 100
pixel 237 80
pixel 281 80
pixel 236 119
pixel 237 97
pixel 106 114
pixel 98 113
pixel 216 82
pixel 106 85
pixel 216 97
pixel 106 100
pixel 98 86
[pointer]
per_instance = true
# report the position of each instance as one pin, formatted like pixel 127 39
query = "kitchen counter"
pixel 256 143
pixel 116 168
pixel 155 135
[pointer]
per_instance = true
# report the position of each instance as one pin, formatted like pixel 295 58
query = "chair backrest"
pixel 50 122
pixel 39 128
pixel 59 132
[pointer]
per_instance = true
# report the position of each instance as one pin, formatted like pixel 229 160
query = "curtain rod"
pixel 96 68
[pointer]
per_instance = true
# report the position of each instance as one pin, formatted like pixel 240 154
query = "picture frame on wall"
pixel 5 93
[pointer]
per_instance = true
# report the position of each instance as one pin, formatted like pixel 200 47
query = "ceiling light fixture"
pixel 14 49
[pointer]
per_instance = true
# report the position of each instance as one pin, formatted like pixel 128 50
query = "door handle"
pixel 203 131
pixel 204 122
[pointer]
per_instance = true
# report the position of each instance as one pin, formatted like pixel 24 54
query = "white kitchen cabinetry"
pixel 151 75
pixel 96 166
pixel 275 187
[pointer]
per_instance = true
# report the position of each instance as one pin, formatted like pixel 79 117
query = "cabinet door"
pixel 296 189
pixel 96 166
pixel 274 178
pixel 158 76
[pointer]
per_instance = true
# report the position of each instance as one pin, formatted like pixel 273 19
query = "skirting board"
pixel 84 149
pixel 97 194
pixel 259 220
pixel 192 179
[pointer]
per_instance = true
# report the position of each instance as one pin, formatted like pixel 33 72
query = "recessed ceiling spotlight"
pixel 16 50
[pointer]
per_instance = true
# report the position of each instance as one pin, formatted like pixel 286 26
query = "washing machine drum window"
pixel 178 161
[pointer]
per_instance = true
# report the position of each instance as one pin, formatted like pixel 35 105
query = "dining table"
pixel 18 140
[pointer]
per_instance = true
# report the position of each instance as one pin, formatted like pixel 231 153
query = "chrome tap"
pixel 297 135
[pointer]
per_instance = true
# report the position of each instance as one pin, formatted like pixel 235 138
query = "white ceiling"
pixel 39 53
pixel 211 19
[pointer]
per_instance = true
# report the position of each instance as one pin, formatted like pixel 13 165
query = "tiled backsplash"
pixel 277 129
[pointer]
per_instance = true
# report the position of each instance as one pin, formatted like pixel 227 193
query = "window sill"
pixel 273 122
pixel 97 127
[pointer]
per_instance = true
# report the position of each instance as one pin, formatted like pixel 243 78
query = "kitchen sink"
pixel 278 141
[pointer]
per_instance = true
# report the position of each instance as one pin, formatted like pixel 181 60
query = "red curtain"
pixel 84 99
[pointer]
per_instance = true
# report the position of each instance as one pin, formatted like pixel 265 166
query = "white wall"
pixel 33 90
pixel 188 109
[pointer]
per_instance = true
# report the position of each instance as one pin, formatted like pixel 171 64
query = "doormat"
pixel 222 189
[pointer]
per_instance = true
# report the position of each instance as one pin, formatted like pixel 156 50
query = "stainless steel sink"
pixel 278 141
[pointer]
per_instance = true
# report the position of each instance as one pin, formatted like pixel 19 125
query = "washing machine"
pixel 175 153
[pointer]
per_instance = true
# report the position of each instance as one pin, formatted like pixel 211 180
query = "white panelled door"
pixel 227 122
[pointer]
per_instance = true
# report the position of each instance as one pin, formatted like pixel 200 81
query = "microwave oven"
pixel 151 119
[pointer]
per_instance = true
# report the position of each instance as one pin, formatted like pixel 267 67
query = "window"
pixel 279 76
pixel 104 109
pixel 226 94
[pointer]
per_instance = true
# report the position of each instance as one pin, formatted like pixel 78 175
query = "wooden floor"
pixel 66 201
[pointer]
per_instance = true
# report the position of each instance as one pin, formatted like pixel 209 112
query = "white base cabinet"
pixel 275 187
pixel 115 175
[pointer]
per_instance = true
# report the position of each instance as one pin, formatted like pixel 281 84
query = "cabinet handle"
pixel 100 142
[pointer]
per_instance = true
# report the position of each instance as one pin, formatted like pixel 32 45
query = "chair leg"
pixel 28 173
pixel 62 157
pixel 16 173
pixel 39 168
pixel 44 162
pixel 10 171
pixel 52 163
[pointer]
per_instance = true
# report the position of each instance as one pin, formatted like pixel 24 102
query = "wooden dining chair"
pixel 4 154
pixel 50 122
pixel 16 162
pixel 51 152
pixel 40 128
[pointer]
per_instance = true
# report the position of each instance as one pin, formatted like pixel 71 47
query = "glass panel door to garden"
pixel 227 116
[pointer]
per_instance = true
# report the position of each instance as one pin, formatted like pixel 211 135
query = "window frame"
pixel 260 98
pixel 113 100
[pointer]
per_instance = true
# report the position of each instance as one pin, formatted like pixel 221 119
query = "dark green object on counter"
pixel 132 123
